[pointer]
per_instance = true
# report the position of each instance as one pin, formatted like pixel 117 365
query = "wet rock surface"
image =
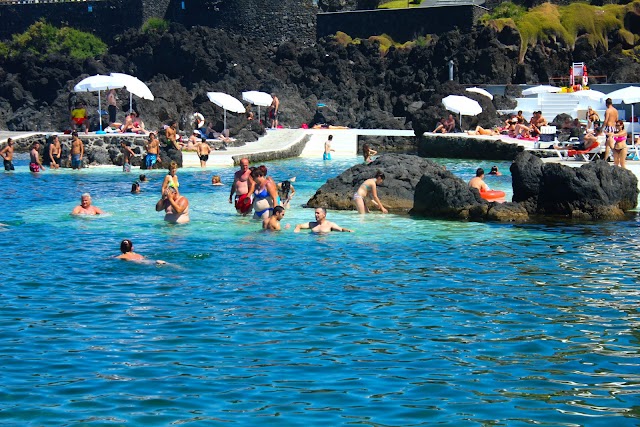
pixel 595 191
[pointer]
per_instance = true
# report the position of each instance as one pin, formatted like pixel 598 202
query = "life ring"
pixel 492 195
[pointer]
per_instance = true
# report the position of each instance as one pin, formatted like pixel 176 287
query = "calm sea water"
pixel 405 322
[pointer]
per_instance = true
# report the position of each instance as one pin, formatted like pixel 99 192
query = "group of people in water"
pixel 252 192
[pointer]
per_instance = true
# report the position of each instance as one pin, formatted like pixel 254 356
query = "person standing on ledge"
pixel 171 133
pixel 85 207
pixel 477 182
pixel 203 151
pixel 7 155
pixel 609 126
pixel 321 225
pixel 275 106
pixel 153 152
pixel 77 151
pixel 112 99
pixel 327 148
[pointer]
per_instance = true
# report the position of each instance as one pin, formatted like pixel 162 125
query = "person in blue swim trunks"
pixel 327 149
pixel 153 151
pixel 265 195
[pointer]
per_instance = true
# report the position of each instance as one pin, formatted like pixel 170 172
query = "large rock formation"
pixel 593 191
pixel 402 173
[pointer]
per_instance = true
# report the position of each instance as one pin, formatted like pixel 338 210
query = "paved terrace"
pixel 284 143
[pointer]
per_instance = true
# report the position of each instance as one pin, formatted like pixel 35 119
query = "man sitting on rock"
pixel 446 125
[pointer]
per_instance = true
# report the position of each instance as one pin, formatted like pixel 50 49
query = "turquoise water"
pixel 405 322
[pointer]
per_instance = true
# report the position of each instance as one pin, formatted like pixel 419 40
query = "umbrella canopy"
pixel 480 91
pixel 462 105
pixel 97 83
pixel 257 98
pixel 134 85
pixel 590 94
pixel 628 95
pixel 227 102
pixel 541 89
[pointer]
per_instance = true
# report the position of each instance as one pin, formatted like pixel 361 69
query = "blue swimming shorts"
pixel 151 160
pixel 326 156
pixel 76 163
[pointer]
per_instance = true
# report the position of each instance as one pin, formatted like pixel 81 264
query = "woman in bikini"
pixel 171 180
pixel 368 189
pixel 367 153
pixel 620 145
pixel 265 196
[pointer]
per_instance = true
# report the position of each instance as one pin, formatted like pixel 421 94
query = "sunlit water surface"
pixel 405 322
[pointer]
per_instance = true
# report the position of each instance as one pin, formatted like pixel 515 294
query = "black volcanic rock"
pixel 595 190
pixel 402 173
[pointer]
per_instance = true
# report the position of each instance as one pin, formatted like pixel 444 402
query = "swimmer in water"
pixel 126 247
pixel 85 207
pixel 321 225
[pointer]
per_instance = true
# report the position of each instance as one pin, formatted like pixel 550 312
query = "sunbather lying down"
pixel 325 126
pixel 482 131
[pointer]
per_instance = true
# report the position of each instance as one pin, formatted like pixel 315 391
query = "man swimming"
pixel 321 225
pixel 273 222
pixel 477 181
pixel 85 207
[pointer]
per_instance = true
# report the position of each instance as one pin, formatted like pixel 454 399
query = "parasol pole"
pixel 99 108
pixel 225 120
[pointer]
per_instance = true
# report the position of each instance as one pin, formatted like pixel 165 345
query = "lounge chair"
pixel 588 154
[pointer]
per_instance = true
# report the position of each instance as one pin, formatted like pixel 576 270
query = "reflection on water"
pixel 404 322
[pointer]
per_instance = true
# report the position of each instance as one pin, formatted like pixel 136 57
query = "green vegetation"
pixel 564 23
pixel 42 39
pixel 157 25
pixel 399 4
pixel 384 41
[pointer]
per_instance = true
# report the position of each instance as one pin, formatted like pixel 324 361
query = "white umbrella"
pixel 462 105
pixel 135 86
pixel 227 102
pixel 541 89
pixel 97 83
pixel 594 95
pixel 258 98
pixel 628 95
pixel 480 91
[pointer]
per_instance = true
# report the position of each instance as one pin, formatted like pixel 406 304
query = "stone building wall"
pixel 273 21
pixel 104 18
pixel 401 24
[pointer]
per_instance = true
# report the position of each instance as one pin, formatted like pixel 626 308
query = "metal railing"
pixel 14 2
pixel 564 81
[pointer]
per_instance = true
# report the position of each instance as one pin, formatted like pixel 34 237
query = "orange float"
pixel 492 195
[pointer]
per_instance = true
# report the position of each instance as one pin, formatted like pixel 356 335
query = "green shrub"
pixel 157 25
pixel 399 4
pixel 80 45
pixel 343 39
pixel 564 23
pixel 507 10
pixel 42 39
